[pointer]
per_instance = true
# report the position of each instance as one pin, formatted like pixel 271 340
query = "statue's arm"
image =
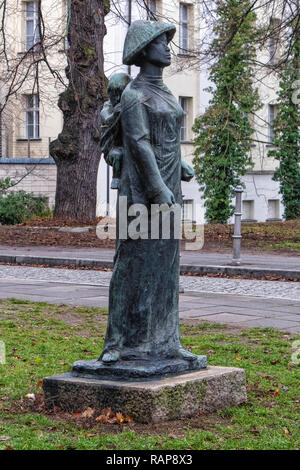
pixel 107 113
pixel 136 134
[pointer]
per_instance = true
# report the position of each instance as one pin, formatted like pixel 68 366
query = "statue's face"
pixel 114 96
pixel 158 52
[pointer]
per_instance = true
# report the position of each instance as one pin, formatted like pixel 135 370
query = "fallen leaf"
pixel 120 418
pixel 88 412
pixel 267 376
pixel 276 392
pixel 108 416
pixel 176 435
pixel 31 396
pixel 39 383
pixel 102 419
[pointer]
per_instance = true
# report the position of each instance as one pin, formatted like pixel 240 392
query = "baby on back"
pixel 111 134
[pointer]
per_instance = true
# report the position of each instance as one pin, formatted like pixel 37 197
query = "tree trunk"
pixel 77 151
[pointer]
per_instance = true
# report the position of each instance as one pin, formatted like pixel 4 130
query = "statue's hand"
pixel 187 172
pixel 115 156
pixel 117 109
pixel 164 197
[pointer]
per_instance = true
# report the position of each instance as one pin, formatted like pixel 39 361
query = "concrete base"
pixel 150 401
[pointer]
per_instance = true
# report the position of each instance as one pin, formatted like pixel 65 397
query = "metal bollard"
pixel 236 259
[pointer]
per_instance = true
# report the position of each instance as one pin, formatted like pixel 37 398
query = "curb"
pixel 240 271
pixel 184 268
pixel 51 261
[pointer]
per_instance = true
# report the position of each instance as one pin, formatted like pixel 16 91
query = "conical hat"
pixel 142 32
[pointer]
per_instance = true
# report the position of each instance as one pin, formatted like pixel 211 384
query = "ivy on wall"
pixel 224 131
pixel 286 129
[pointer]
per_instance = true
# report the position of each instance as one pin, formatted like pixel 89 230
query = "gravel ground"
pixel 254 288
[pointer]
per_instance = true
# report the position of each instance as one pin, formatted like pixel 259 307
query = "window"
pixel 185 103
pixel 151 10
pixel 273 209
pixel 183 28
pixel 248 210
pixel 272 115
pixel 274 40
pixel 32 31
pixel 187 209
pixel 67 13
pixel 272 49
pixel 32 117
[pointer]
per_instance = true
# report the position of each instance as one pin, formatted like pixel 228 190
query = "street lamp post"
pixel 237 237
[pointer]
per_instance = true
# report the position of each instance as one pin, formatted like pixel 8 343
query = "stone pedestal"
pixel 137 369
pixel 145 401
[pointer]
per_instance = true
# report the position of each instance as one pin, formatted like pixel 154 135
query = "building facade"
pixel 32 119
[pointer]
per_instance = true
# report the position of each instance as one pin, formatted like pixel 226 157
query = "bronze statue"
pixel 142 338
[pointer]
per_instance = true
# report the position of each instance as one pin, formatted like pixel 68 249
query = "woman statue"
pixel 143 324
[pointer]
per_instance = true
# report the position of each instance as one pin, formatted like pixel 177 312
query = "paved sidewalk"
pixel 243 302
pixel 252 265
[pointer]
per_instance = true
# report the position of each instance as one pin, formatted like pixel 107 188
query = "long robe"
pixel 143 320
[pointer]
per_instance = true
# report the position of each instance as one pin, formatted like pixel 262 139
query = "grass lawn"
pixel 43 339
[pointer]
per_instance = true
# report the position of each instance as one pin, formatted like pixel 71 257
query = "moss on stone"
pixel 172 401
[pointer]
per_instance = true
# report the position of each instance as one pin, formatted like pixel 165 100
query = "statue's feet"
pixel 110 357
pixel 187 355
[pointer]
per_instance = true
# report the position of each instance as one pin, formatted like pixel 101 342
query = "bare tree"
pixel 77 151
pixel 79 43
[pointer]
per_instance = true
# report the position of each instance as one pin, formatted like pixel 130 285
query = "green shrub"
pixel 16 207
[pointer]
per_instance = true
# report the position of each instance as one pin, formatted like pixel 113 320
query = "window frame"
pixel 32 40
pixel 183 101
pixel 190 203
pixel 274 40
pixel 35 110
pixel 184 39
pixel 250 212
pixel 186 103
pixel 276 209
pixel 67 19
pixel 271 119
pixel 152 14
